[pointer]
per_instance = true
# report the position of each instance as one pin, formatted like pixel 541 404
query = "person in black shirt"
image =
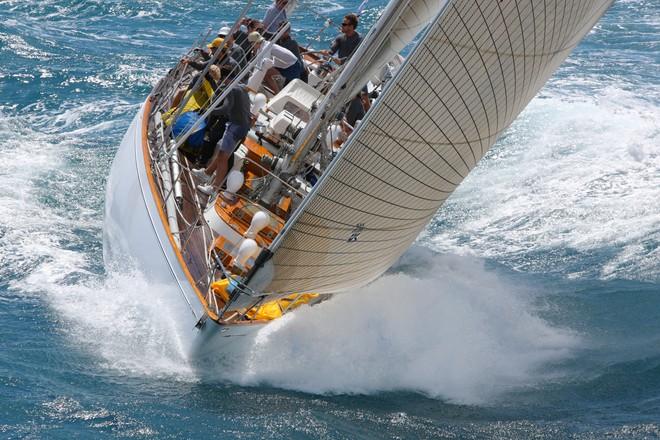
pixel 235 110
pixel 235 50
pixel 346 42
pixel 355 110
pixel 240 36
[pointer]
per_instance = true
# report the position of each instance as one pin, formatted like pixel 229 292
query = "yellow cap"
pixel 216 43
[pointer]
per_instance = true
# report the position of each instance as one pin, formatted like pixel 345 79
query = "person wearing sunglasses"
pixel 346 42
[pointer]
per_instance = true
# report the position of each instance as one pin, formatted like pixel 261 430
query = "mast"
pixel 343 86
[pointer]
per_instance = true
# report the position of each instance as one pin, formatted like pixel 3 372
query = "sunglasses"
pixel 346 24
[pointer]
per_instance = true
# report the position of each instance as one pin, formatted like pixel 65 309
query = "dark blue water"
pixel 530 307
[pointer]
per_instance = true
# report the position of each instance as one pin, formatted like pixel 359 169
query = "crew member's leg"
pixel 220 161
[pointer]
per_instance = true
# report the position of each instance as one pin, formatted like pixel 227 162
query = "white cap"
pixel 255 37
pixel 224 31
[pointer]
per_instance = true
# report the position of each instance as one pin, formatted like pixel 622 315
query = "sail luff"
pixel 478 65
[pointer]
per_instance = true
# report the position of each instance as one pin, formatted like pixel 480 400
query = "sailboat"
pixel 308 210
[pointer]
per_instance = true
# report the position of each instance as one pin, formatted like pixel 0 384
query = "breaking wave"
pixel 571 189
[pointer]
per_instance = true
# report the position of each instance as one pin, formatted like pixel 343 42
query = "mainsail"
pixel 478 65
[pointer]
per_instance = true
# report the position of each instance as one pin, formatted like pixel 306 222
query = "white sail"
pixel 478 65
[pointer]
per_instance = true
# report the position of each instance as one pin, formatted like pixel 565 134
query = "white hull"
pixel 135 231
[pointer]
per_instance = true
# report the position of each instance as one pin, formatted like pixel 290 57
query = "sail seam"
pixel 390 185
pixel 327 237
pixel 474 122
pixel 321 277
pixel 499 61
pixel 309 251
pixel 469 76
pixel 448 144
pixel 368 212
pixel 485 67
pixel 404 148
pixel 394 165
pixel 431 88
pixel 351 226
pixel 388 202
pixel 509 109
pixel 516 55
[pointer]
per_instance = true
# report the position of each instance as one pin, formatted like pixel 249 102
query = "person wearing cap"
pixel 346 42
pixel 275 17
pixel 227 63
pixel 284 62
pixel 235 51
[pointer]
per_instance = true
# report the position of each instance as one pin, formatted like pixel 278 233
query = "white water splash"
pixel 43 257
pixel 129 331
pixel 459 333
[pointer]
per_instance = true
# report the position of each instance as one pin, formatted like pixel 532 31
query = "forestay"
pixel 478 65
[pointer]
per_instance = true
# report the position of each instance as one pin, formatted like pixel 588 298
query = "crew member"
pixel 275 17
pixel 287 42
pixel 284 62
pixel 235 51
pixel 235 109
pixel 346 42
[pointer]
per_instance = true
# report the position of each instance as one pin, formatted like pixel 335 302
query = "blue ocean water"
pixel 529 308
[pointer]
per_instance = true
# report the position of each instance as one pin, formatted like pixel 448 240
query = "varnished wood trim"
pixel 161 210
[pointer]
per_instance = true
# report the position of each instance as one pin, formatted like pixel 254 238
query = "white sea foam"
pixel 459 333
pixel 24 155
pixel 108 315
pixel 68 409
pixel 328 7
pixel 18 46
pixel 130 332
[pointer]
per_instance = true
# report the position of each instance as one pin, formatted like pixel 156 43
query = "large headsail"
pixel 478 65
